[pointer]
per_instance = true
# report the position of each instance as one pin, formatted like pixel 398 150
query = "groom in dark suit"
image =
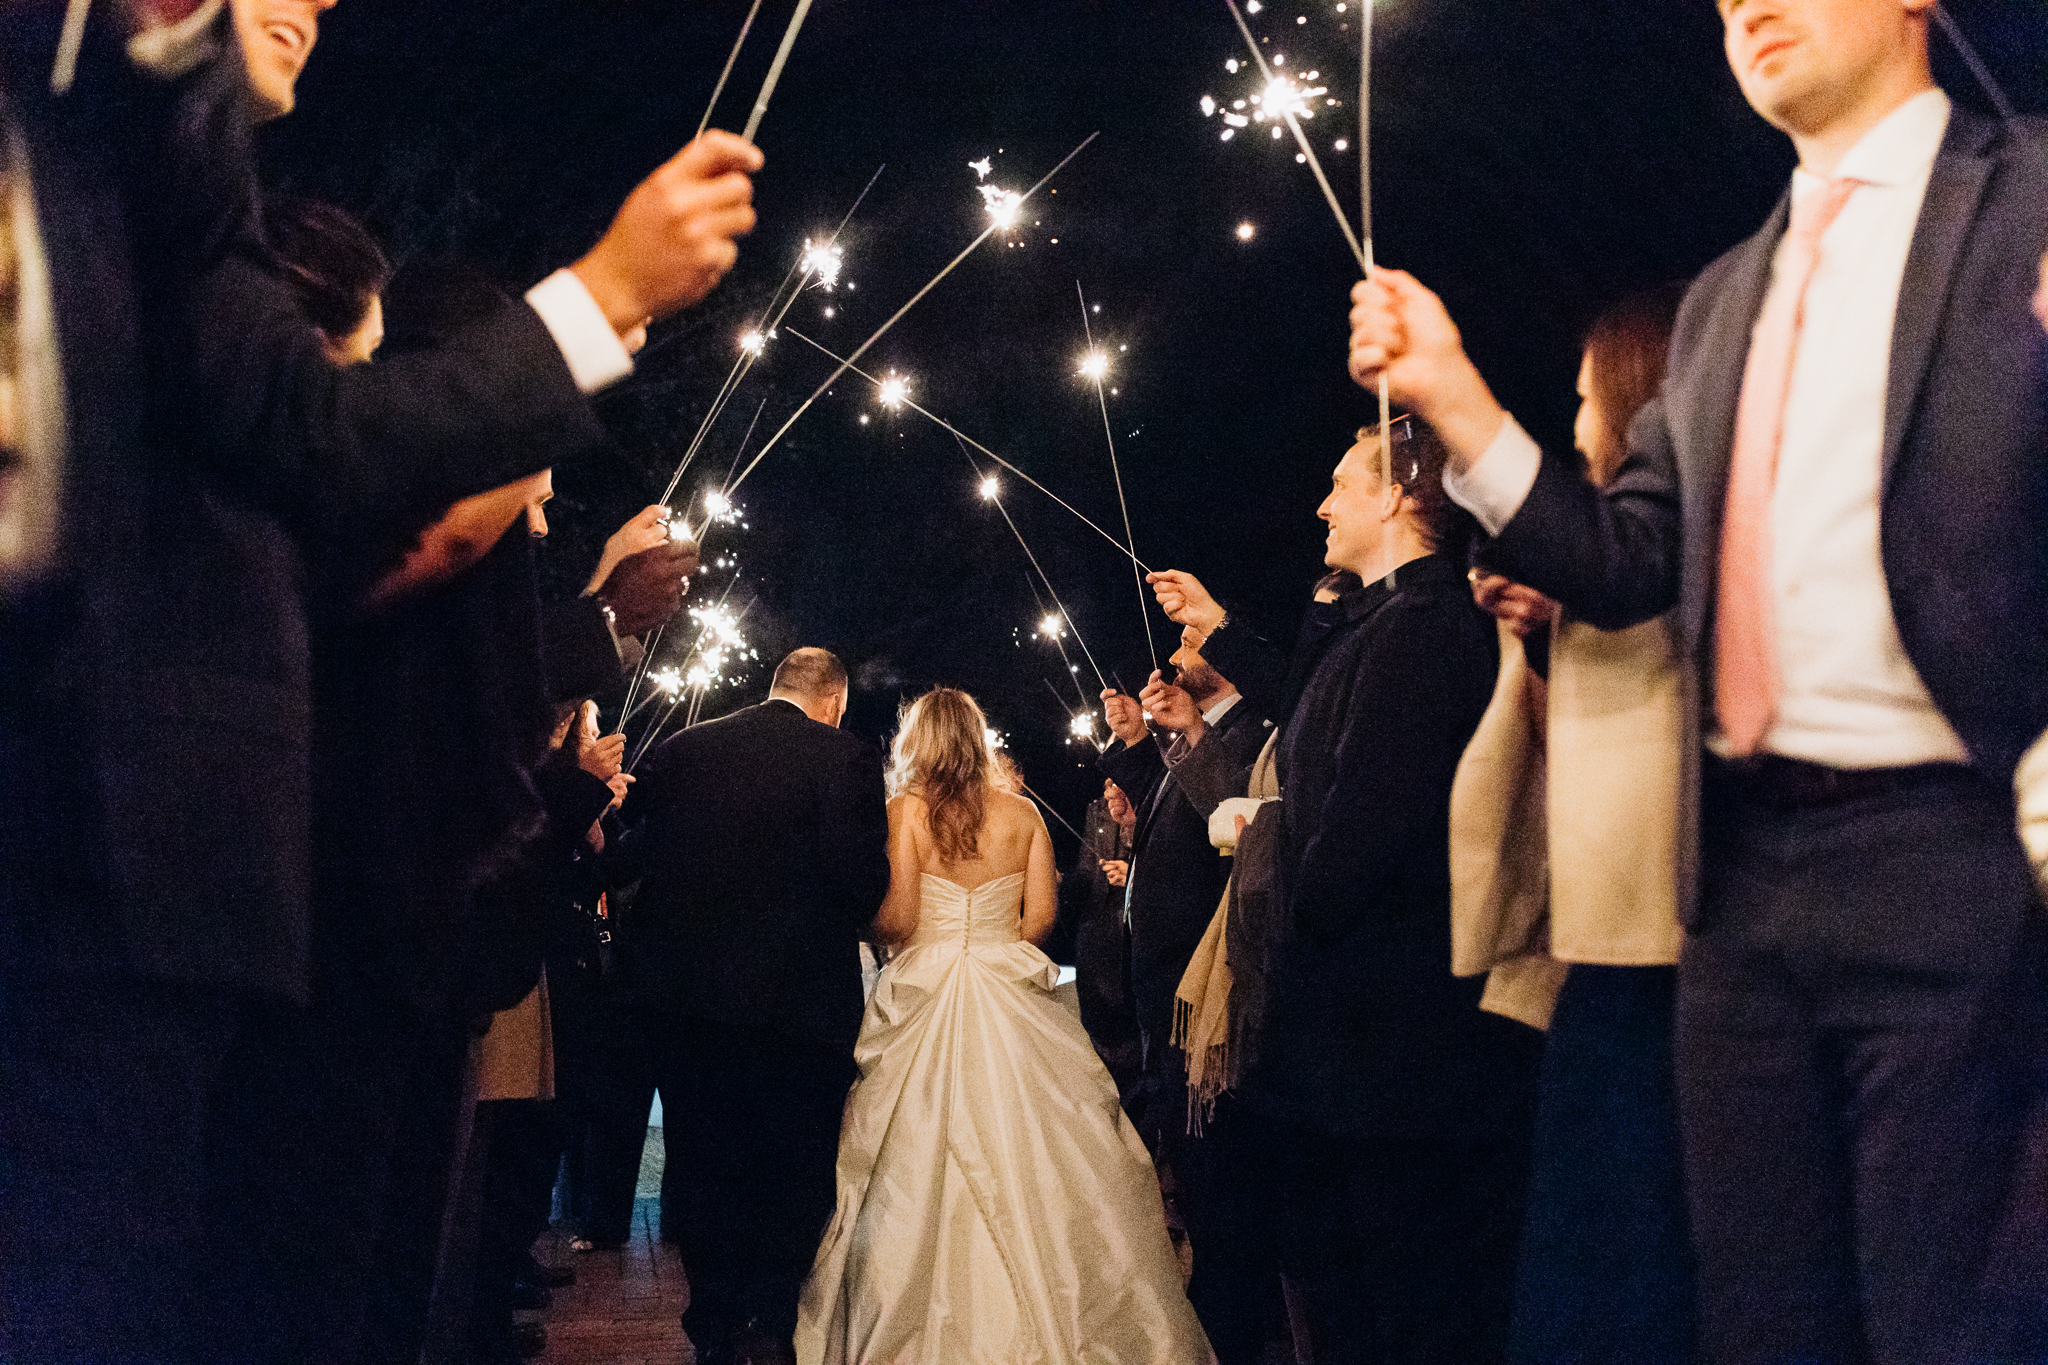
pixel 1840 492
pixel 762 838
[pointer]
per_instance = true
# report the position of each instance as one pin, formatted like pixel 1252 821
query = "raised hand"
pixel 1119 807
pixel 1523 608
pixel 1185 601
pixel 673 239
pixel 1126 718
pixel 646 588
pixel 647 529
pixel 1116 870
pixel 604 758
pixel 1171 706
pixel 1402 330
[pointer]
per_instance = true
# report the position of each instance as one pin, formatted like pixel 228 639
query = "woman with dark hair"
pixel 337 270
pixel 1399 1112
pixel 1565 851
pixel 994 1202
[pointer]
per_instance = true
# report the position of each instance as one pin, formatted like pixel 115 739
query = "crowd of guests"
pixel 280 827
pixel 1624 949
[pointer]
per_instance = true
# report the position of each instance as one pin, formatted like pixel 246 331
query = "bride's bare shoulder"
pixel 1013 809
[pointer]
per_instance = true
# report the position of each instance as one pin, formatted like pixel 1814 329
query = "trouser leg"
pixel 1859 1036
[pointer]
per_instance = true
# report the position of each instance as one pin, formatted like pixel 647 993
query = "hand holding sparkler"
pixel 603 758
pixel 672 240
pixel 1402 331
pixel 647 529
pixel 1120 808
pixel 1172 707
pixel 1185 601
pixel 1126 718
pixel 647 588
pixel 1116 871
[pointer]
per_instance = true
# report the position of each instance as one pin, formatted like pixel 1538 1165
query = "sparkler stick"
pixel 1130 541
pixel 734 56
pixel 897 316
pixel 1049 810
pixel 959 435
pixel 1362 252
pixel 771 317
pixel 796 21
pixel 1365 226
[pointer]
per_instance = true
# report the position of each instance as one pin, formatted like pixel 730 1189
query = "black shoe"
pixel 545 1276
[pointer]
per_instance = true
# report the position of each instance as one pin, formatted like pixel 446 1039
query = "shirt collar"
pixel 1900 150
pixel 1215 712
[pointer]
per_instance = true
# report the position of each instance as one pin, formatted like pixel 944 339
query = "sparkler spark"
pixel 1050 627
pixel 1094 365
pixel 821 262
pixel 895 388
pixel 1002 205
pixel 1083 726
pixel 989 488
pixel 667 681
pixel 1245 232
pixel 981 168
pixel 753 343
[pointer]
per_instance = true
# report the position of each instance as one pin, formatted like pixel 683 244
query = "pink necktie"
pixel 1745 639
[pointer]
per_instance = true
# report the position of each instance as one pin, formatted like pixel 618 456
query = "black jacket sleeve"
pixel 1612 557
pixel 1136 768
pixel 1256 667
pixel 577 650
pixel 854 833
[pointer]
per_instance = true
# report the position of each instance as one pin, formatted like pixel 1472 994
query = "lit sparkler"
pixel 1050 628
pixel 989 488
pixel 894 318
pixel 1094 365
pixel 894 392
pixel 1082 726
pixel 753 343
pixel 821 262
pixel 1002 205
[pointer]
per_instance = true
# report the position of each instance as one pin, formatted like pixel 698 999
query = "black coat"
pixel 1177 876
pixel 762 839
pixel 209 440
pixel 1368 1033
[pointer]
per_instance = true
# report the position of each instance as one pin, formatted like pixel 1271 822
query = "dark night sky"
pixel 1534 160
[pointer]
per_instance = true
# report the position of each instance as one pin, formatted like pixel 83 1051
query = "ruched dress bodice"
pixel 995 1207
pixel 981 916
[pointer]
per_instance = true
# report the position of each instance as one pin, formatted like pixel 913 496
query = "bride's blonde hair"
pixel 942 755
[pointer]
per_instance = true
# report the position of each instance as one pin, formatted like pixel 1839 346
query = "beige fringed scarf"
pixel 1201 1004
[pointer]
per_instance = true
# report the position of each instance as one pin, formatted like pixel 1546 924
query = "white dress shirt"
pixel 1848 695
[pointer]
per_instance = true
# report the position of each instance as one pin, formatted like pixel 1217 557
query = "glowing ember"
pixel 821 261
pixel 1245 232
pixel 1002 205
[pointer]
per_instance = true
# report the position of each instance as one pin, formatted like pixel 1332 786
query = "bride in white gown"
pixel 995 1206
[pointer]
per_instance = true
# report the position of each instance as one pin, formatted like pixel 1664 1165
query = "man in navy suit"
pixel 762 838
pixel 1841 491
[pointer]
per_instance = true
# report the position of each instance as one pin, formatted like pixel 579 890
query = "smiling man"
pixel 1840 492
pixel 277 36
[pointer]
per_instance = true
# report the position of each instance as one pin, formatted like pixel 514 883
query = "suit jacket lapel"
pixel 1961 171
pixel 1701 395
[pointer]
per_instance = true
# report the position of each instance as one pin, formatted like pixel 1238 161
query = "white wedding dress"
pixel 995 1206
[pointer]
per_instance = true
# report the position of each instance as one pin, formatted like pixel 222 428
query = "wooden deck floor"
pixel 626 1305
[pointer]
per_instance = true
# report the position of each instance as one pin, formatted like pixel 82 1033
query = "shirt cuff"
pixel 1494 486
pixel 595 354
pixel 168 51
